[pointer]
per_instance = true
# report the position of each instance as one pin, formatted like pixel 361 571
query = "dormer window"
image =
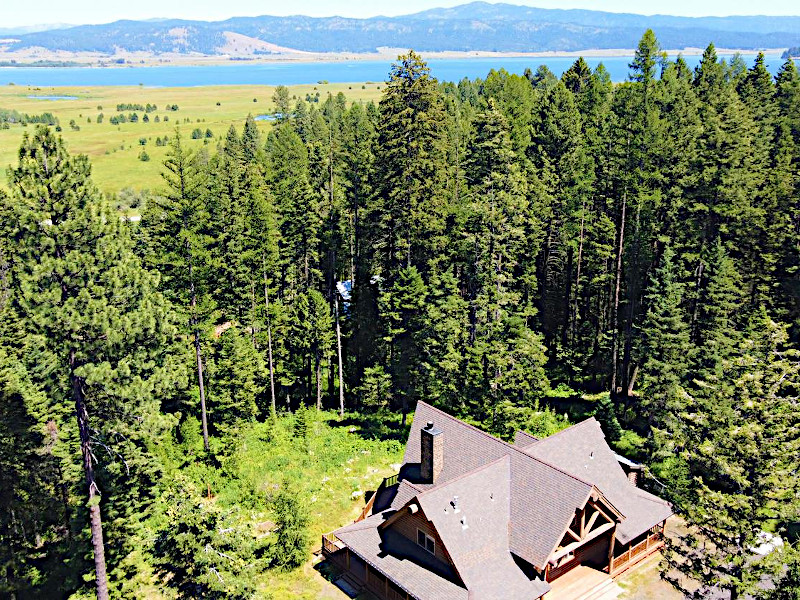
pixel 426 541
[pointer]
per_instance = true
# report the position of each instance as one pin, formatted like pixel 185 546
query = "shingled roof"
pixel 544 498
pixel 523 439
pixel 582 450
pixel 397 557
pixel 515 501
pixel 472 516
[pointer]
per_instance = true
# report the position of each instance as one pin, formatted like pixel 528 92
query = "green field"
pixel 114 149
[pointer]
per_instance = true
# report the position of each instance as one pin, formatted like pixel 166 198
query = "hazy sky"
pixel 91 11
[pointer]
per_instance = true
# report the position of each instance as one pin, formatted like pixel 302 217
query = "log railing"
pixel 650 543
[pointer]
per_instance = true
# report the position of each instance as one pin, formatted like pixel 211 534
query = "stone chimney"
pixel 432 455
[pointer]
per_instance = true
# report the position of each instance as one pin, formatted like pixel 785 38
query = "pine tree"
pixel 506 355
pixel 742 449
pixel 234 380
pixel 407 217
pixel 404 310
pixel 444 337
pixel 721 303
pixel 320 328
pixel 298 210
pixel 202 552
pixel 665 346
pixel 105 331
pixel 177 242
pixel 291 546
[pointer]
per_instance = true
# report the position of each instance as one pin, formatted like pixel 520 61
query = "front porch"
pixel 637 551
pixel 358 573
pixel 583 583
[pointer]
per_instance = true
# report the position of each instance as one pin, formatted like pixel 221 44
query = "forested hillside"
pixel 492 247
pixel 470 27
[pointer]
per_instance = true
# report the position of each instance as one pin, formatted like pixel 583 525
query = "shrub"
pixel 292 542
pixel 202 552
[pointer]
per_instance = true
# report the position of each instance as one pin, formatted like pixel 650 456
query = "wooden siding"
pixel 408 524
pixel 594 554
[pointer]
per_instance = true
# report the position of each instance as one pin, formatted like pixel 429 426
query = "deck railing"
pixel 650 543
pixel 331 544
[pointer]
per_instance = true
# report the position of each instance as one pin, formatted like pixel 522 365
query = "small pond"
pixel 34 97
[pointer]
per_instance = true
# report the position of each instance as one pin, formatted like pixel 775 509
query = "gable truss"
pixel 588 523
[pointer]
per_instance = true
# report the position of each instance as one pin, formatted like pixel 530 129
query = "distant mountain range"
pixel 23 29
pixel 478 26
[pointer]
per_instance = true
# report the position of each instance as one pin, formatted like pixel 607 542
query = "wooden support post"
pixel 611 550
pixel 386 587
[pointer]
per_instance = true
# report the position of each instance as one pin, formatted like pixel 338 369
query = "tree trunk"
pixel 615 312
pixel 632 382
pixel 339 352
pixel 95 518
pixel 578 275
pixel 567 301
pixel 269 344
pixel 203 413
pixel 253 314
pixel 632 291
pixel 199 357
pixel 318 373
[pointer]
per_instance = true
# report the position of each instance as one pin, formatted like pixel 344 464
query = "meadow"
pixel 115 150
pixel 330 468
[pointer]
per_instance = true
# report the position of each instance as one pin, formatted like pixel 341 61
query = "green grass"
pixel 340 460
pixel 114 149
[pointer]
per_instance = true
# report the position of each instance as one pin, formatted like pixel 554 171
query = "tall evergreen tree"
pixel 105 330
pixel 742 449
pixel 407 218
pixel 665 346
pixel 177 243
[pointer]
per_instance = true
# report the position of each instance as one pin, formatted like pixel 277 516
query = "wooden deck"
pixel 583 583
pixel 636 554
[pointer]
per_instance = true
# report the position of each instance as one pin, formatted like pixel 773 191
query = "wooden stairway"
pixel 584 583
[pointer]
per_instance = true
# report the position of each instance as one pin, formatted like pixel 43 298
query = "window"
pixel 426 541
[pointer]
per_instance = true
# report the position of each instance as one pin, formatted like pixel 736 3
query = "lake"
pixel 294 73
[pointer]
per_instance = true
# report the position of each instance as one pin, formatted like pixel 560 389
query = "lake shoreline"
pixel 29 57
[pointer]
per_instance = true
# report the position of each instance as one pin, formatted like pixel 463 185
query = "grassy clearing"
pixel 331 470
pixel 114 149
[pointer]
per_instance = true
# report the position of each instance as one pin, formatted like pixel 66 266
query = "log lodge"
pixel 470 516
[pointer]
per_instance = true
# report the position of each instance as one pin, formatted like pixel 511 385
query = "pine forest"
pixel 186 400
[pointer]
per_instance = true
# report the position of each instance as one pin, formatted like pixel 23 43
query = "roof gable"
pixel 583 451
pixel 543 498
pixel 523 439
pixel 471 517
